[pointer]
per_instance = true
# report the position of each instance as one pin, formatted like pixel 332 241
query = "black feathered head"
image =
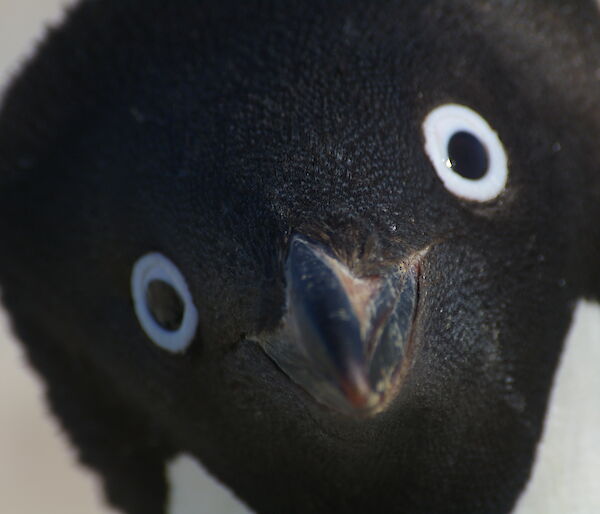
pixel 331 248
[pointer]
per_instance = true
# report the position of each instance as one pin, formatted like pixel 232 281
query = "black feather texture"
pixel 213 132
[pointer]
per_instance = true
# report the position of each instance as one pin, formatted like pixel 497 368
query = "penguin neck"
pixel 565 474
pixel 193 489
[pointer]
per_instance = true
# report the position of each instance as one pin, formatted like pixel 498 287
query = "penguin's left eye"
pixel 466 153
pixel 163 303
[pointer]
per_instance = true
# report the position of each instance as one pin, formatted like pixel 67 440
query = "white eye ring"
pixel 439 127
pixel 156 267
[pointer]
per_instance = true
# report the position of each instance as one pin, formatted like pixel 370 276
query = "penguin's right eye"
pixel 163 303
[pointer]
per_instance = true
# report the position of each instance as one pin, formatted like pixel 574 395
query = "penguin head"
pixel 331 249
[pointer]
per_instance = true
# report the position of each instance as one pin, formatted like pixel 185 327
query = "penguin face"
pixel 165 193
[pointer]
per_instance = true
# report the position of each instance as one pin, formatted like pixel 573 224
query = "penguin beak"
pixel 344 339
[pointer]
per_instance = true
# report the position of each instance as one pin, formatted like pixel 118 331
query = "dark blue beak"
pixel 344 339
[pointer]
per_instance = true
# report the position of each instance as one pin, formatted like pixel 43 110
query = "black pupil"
pixel 467 155
pixel 164 304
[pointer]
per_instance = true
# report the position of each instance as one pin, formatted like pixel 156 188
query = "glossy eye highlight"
pixel 163 303
pixel 466 152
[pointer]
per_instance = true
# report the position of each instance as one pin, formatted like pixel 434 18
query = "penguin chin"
pixel 345 340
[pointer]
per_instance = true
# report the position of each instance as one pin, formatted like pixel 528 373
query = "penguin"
pixel 343 254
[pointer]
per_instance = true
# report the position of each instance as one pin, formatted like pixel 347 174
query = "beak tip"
pixel 356 388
